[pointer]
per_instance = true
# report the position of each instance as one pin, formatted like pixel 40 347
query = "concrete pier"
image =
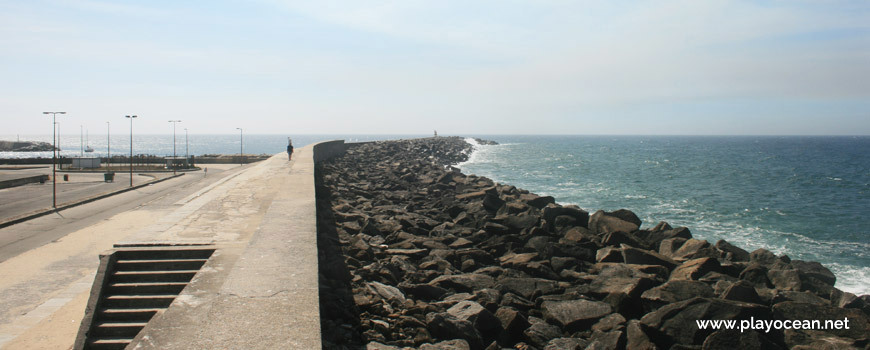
pixel 260 287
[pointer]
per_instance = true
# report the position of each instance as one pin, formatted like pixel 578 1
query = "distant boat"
pixel 89 149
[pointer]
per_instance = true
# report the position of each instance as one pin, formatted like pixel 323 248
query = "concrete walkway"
pixel 260 289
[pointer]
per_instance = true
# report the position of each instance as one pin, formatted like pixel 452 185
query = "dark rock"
pixel 602 222
pixel 812 272
pixel 488 297
pixel 492 202
pixel 636 338
pixel 447 326
pixel 516 301
pixel 513 322
pixel 756 274
pixel 669 246
pixel 626 215
pixel 859 323
pixel 645 257
pixel 693 249
pixel 537 201
pixel 607 340
pixel 574 315
pixel 609 322
pixel 386 292
pixel 566 344
pixel 465 282
pixel 742 291
pixel 676 323
pixel 578 234
pixel 550 213
pixel 762 256
pixel 527 287
pixel 785 279
pixel 540 333
pixel 675 291
pixel 695 269
pixel 731 252
pixel 453 344
pixel 618 238
pixel 559 263
pixel 423 291
pixel 633 287
pixel 735 339
pixel 483 320
pixel 378 346
pixel 657 273
pixel 609 254
pixel 579 252
pixel 800 297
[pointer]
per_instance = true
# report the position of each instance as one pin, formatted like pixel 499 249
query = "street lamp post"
pixel 54 157
pixel 173 143
pixel 241 145
pixel 131 146
pixel 108 147
pixel 186 148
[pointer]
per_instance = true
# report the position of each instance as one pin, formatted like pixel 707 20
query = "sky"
pixel 664 67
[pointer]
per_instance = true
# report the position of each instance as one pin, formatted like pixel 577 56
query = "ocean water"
pixel 71 145
pixel 806 197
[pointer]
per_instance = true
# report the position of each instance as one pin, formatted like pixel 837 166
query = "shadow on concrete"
pixel 339 316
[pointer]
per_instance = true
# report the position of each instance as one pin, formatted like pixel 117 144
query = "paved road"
pixel 47 264
pixel 25 199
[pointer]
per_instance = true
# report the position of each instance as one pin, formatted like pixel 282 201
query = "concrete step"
pixel 138 301
pixel 118 329
pixel 143 288
pixel 159 265
pixel 109 343
pixel 130 315
pixel 146 254
pixel 152 276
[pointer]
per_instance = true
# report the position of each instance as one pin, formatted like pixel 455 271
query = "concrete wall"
pixel 23 181
pixel 329 149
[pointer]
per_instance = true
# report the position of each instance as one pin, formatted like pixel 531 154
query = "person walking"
pixel 289 149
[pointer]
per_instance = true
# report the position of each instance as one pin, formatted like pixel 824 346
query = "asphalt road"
pixel 28 235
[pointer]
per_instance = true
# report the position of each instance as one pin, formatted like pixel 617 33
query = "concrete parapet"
pixel 259 290
pixel 23 181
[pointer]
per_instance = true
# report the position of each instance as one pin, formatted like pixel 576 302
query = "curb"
pixel 78 203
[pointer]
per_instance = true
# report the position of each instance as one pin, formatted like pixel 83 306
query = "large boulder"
pixel 735 339
pixel 674 291
pixel 731 252
pixel 694 269
pixel 527 287
pixel 677 323
pixel 446 326
pixel 573 315
pixel 551 212
pixel 540 332
pixel 513 324
pixel 858 322
pixel 484 321
pixel 631 255
pixel 465 282
pixel 602 222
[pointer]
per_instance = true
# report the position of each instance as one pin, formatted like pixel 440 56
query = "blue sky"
pixel 408 67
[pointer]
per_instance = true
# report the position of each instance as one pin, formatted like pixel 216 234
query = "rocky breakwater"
pixel 25 146
pixel 415 254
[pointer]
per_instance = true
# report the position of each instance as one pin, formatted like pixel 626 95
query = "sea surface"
pixel 806 197
pixel 73 145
